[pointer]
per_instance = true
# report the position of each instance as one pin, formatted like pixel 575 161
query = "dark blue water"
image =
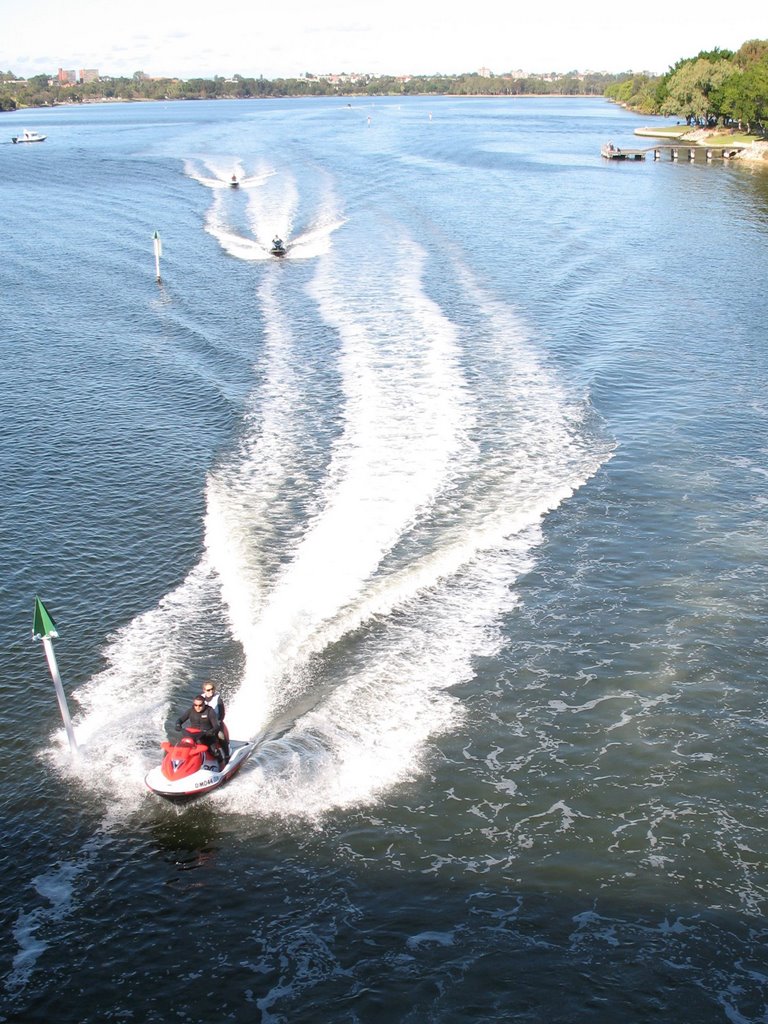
pixel 462 504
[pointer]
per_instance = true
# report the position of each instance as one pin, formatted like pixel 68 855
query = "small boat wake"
pixel 316 240
pixel 272 216
pixel 221 175
pixel 308 245
pixel 232 242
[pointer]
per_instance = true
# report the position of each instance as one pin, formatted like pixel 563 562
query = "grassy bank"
pixel 709 136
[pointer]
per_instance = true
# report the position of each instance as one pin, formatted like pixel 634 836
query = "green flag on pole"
pixel 43 626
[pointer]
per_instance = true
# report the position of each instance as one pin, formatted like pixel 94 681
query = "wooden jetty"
pixel 674 152
pixel 690 152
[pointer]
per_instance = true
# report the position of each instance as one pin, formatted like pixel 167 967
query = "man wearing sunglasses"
pixel 202 723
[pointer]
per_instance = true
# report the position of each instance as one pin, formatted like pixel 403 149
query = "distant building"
pixel 88 75
pixel 343 78
pixel 485 73
pixel 66 77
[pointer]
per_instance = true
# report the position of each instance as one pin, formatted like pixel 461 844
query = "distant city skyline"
pixel 185 40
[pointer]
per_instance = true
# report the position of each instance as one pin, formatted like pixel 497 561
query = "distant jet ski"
pixel 234 183
pixel 190 768
pixel 278 247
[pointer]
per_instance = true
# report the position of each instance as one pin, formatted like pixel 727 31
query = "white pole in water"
pixel 44 628
pixel 158 253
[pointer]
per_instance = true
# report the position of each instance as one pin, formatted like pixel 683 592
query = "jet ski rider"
pixel 202 723
pixel 213 700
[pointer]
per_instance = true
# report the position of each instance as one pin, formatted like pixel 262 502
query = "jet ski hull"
pixel 209 776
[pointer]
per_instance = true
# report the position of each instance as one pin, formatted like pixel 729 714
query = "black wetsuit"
pixel 202 725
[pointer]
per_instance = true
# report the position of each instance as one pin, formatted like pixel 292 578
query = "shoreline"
pixel 347 97
pixel 756 151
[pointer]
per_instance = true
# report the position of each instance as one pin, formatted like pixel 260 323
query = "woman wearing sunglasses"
pixel 213 700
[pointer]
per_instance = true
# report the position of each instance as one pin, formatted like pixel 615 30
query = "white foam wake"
pixel 372 731
pixel 405 417
pixel 216 173
pixel 246 495
pixel 399 467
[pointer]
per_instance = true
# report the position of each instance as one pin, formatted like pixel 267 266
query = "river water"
pixel 462 504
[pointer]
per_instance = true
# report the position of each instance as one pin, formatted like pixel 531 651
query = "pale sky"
pixel 285 38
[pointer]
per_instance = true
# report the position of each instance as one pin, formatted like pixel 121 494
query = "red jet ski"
pixel 190 768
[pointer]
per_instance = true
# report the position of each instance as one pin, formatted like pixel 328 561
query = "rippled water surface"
pixel 462 503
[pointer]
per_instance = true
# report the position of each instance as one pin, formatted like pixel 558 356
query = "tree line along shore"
pixel 43 90
pixel 716 87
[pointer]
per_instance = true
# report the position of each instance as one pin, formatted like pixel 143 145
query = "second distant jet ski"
pixel 278 247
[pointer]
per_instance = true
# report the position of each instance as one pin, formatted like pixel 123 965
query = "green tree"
pixel 745 95
pixel 751 52
pixel 693 89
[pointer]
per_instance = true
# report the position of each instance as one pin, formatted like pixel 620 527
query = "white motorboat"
pixel 28 136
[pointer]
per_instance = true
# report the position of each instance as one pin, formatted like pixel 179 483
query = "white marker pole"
pixel 158 253
pixel 44 628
